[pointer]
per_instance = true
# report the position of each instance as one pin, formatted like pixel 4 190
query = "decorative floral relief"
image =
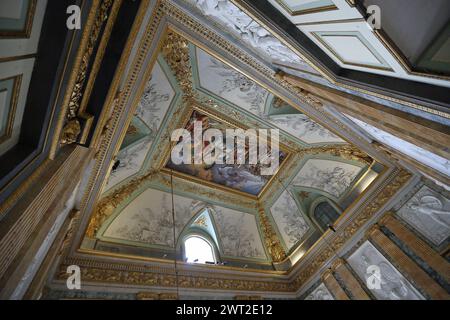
pixel 289 219
pixel 320 293
pixel 155 100
pixel 393 286
pixel 429 213
pixel 303 128
pixel 230 84
pixel 330 176
pixel 148 219
pixel 238 233
pixel 130 161
pixel 249 31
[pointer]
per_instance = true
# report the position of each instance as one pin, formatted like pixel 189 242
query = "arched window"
pixel 325 215
pixel 198 250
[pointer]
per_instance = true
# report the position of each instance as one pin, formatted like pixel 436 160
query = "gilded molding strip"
pixel 118 102
pixel 69 128
pixel 333 286
pixel 305 11
pixel 18 231
pixel 271 240
pixel 107 205
pixel 158 279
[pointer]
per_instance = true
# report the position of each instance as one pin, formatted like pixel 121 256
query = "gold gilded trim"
pixel 130 84
pixel 272 243
pixel 369 208
pixel 69 126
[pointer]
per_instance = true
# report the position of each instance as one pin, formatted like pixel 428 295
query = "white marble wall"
pixel 392 284
pixel 320 293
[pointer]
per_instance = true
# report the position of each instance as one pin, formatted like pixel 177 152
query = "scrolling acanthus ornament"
pixel 271 240
pixel 348 152
pixel 72 128
pixel 176 53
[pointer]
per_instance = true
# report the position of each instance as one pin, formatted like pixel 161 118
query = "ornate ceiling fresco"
pixel 266 229
pixel 134 214
pixel 359 144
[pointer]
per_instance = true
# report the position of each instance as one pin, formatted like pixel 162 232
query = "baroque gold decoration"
pixel 176 53
pixel 69 135
pixel 71 131
pixel 158 279
pixel 348 152
pixel 156 296
pixel 271 240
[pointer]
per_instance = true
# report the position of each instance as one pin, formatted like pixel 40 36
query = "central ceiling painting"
pixel 244 177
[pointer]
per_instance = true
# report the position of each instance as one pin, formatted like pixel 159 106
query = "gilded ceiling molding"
pixel 271 240
pixel 157 296
pixel 344 235
pixel 175 50
pixel 73 117
pixel 348 152
pixel 142 278
pixel 118 99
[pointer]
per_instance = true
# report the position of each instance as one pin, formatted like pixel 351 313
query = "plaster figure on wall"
pixel 239 23
pixel 433 208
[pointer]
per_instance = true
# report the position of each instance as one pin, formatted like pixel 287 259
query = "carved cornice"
pixel 175 50
pixel 74 116
pixel 154 279
pixel 348 152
